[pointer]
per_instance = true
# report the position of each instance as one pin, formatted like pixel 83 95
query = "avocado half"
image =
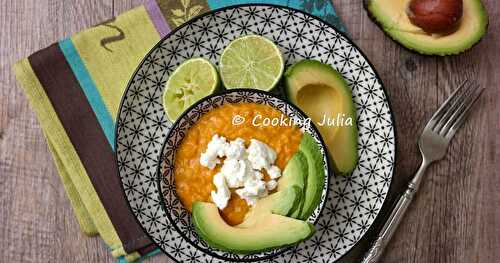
pixel 321 92
pixel 391 17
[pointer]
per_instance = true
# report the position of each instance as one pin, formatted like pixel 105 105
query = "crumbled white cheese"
pixel 260 155
pixel 274 172
pixel 258 175
pixel 236 172
pixel 221 197
pixel 216 148
pixel 253 190
pixel 256 188
pixel 241 169
pixel 236 149
pixel 209 160
pixel 271 185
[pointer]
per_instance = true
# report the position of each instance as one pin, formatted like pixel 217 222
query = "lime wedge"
pixel 190 82
pixel 252 62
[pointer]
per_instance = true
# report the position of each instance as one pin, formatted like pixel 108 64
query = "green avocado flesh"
pixel 295 174
pixel 321 92
pixel 271 231
pixel 282 203
pixel 392 17
pixel 315 175
pixel 266 225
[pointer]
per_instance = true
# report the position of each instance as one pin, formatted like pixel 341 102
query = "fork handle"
pixel 377 248
pixel 392 223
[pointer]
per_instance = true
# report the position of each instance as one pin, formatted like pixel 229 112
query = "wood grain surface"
pixel 454 218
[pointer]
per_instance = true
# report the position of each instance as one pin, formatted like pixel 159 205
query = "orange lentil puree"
pixel 194 182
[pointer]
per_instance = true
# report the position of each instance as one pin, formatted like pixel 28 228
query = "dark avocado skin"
pixel 366 4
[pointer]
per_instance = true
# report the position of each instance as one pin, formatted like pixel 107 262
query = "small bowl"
pixel 180 217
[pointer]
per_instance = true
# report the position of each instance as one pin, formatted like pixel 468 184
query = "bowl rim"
pixel 159 176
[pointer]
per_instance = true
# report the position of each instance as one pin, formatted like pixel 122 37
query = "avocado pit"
pixel 467 27
pixel 436 16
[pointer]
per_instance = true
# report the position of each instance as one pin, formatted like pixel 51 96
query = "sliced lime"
pixel 252 62
pixel 190 82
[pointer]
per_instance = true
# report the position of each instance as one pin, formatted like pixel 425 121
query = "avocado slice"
pixel 271 231
pixel 321 91
pixel 315 175
pixel 282 203
pixel 295 174
pixel 391 16
pixel 289 196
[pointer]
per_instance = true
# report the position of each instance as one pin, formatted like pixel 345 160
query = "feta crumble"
pixel 236 172
pixel 221 197
pixel 274 172
pixel 241 169
pixel 216 148
pixel 271 185
pixel 236 149
pixel 209 161
pixel 260 154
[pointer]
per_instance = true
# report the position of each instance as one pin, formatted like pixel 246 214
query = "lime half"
pixel 191 81
pixel 252 62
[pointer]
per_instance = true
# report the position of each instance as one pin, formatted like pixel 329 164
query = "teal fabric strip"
pixel 215 4
pixel 143 257
pixel 89 88
pixel 321 8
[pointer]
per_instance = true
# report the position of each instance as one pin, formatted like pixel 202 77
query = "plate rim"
pixel 338 31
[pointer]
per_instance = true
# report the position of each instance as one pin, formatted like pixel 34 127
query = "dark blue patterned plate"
pixel 352 203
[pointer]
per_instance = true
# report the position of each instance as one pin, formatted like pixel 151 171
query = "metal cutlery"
pixel 432 143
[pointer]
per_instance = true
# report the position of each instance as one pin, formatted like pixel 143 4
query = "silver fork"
pixel 433 143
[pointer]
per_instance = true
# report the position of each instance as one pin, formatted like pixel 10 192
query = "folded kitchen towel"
pixel 75 87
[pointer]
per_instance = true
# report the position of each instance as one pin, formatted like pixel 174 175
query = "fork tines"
pixel 453 112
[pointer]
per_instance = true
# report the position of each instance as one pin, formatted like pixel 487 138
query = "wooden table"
pixel 455 217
